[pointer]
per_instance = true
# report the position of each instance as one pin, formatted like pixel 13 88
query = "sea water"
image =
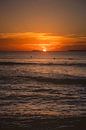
pixel 41 85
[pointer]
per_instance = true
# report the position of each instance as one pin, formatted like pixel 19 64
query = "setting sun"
pixel 44 50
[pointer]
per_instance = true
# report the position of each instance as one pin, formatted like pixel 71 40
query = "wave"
pixel 26 79
pixel 74 80
pixel 43 64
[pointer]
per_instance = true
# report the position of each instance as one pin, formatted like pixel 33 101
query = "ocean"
pixel 43 90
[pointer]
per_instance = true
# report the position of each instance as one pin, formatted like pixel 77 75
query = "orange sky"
pixel 38 41
pixel 54 25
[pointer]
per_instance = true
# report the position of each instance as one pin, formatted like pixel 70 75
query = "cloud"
pixel 32 40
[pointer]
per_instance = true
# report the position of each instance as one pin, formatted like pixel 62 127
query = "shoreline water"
pixel 71 123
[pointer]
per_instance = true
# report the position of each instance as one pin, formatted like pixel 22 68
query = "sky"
pixel 54 25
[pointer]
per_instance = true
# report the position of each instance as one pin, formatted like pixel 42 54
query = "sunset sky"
pixel 54 25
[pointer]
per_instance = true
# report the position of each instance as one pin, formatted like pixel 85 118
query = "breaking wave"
pixel 44 64
pixel 65 80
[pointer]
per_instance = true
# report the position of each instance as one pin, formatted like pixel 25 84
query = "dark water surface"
pixel 43 91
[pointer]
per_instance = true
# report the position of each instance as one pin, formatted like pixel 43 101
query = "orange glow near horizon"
pixel 40 41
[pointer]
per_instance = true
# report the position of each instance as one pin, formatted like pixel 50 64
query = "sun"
pixel 44 50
